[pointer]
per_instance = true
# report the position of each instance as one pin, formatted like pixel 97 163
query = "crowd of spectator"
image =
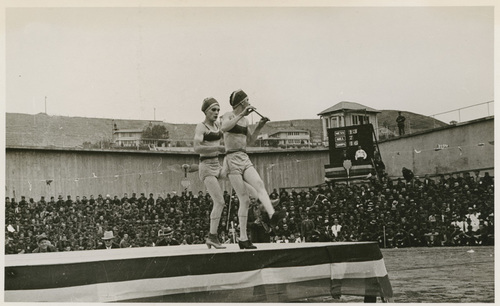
pixel 448 210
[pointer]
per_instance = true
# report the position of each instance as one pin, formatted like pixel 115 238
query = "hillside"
pixel 61 131
pixel 414 123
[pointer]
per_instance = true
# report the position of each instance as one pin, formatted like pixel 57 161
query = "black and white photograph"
pixel 249 151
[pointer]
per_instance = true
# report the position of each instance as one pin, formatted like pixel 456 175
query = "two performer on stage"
pixel 236 165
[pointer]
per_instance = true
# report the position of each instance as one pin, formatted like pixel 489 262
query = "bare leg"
pixel 251 176
pixel 215 192
pixel 253 193
pixel 242 193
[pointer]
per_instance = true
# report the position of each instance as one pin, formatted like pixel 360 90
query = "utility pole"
pixel 113 131
pixel 154 113
pixel 45 105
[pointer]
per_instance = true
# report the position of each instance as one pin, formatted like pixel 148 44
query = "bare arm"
pixel 198 139
pixel 229 120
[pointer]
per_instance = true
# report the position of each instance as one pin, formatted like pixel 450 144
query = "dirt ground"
pixel 437 275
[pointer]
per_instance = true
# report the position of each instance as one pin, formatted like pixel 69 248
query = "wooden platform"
pixel 193 273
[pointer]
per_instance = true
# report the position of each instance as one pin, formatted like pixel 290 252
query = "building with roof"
pixel 127 137
pixel 347 114
pixel 285 138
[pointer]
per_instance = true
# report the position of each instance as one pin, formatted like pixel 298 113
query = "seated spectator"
pixel 283 239
pixel 471 236
pixel 336 230
pixel 485 233
pixel 108 241
pixel 444 236
pixel 306 228
pixel 473 216
pixel 165 237
pixel 414 236
pixel 360 155
pixel 442 206
pixel 125 243
pixel 390 239
pixel 10 247
pixel 295 238
pixel 457 236
pixel 44 245
pixel 401 238
pixel 431 237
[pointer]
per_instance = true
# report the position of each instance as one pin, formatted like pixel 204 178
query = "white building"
pixel 346 114
pixel 127 137
pixel 287 138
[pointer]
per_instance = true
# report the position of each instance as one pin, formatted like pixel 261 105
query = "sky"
pixel 153 62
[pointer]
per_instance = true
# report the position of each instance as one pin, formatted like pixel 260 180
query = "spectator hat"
pixel 237 97
pixel 208 103
pixel 108 235
pixel 165 231
pixel 41 237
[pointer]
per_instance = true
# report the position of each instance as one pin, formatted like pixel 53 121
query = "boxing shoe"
pixel 213 241
pixel 247 244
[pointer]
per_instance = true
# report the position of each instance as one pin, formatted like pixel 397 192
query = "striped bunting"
pixel 273 272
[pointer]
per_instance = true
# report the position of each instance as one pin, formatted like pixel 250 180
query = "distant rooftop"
pixel 289 131
pixel 128 131
pixel 345 105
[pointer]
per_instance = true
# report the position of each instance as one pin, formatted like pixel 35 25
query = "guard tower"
pixel 345 114
pixel 350 129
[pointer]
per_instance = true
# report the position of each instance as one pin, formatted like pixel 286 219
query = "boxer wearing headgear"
pixel 238 165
